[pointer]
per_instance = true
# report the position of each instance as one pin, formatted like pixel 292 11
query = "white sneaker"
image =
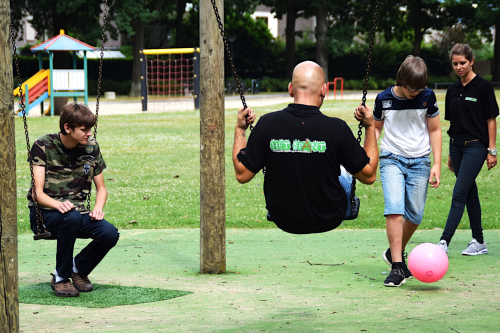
pixel 442 244
pixel 474 248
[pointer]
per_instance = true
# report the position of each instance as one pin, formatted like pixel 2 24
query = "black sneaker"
pixel 397 276
pixel 388 259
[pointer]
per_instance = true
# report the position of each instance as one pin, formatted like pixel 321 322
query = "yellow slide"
pixel 33 81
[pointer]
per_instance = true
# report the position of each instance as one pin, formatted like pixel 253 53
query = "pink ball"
pixel 428 262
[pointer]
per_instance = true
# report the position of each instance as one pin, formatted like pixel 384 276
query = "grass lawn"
pixel 153 174
pixel 275 282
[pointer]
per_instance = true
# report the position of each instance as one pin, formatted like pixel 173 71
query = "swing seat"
pixel 45 235
pixel 354 210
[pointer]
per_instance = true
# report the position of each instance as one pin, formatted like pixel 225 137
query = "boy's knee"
pixel 110 235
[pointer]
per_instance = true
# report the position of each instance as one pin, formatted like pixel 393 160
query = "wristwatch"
pixel 492 152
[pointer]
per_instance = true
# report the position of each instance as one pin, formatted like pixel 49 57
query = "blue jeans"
pixel 405 182
pixel 70 226
pixel 345 180
pixel 467 159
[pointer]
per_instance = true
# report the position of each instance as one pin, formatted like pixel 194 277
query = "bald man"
pixel 302 151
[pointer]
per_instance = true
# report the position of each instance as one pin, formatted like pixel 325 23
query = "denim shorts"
pixel 405 182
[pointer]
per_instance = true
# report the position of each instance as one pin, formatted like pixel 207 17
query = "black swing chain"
pixel 40 226
pixel 229 56
pixel 365 88
pixel 99 80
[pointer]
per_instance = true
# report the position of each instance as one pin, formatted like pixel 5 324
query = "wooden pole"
pixel 212 172
pixel 9 297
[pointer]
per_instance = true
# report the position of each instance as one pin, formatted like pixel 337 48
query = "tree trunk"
pixel 60 22
pixel 291 15
pixel 321 28
pixel 496 55
pixel 181 8
pixel 9 284
pixel 417 9
pixel 135 89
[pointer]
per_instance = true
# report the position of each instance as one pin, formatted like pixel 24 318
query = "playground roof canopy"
pixel 62 42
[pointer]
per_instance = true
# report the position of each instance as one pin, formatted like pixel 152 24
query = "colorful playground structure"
pixel 170 76
pixel 55 83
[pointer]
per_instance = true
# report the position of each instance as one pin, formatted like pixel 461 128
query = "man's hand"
pixel 65 206
pixel 97 215
pixel 364 114
pixel 245 118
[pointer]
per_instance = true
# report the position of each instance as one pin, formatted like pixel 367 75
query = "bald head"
pixel 307 83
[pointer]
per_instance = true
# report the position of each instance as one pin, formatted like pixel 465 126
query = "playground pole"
pixel 9 297
pixel 212 172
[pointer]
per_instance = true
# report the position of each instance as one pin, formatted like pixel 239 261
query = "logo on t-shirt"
pixel 387 104
pixel 472 99
pixel 297 146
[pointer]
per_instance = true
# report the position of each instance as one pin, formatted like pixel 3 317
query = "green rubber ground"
pixel 275 282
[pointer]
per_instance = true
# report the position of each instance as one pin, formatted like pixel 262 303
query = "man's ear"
pixel 66 128
pixel 323 90
pixel 290 89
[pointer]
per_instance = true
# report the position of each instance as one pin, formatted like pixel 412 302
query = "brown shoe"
pixel 64 288
pixel 82 283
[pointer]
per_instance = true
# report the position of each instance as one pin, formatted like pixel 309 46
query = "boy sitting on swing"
pixel 302 151
pixel 64 166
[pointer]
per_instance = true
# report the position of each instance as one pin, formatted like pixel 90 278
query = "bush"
pixel 272 84
pixel 120 87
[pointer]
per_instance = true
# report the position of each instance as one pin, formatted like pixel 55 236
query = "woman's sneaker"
pixel 388 259
pixel 442 244
pixel 397 276
pixel 474 248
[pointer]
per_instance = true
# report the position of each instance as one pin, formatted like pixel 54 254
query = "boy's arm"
pixel 42 198
pixel 436 144
pixel 379 125
pixel 100 198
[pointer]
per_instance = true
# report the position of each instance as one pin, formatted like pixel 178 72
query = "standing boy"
pixel 410 116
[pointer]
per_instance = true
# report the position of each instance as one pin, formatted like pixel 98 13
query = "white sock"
pixel 75 270
pixel 57 277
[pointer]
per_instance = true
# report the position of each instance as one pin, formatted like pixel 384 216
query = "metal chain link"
pixel 229 56
pixel 99 80
pixel 365 88
pixel 40 226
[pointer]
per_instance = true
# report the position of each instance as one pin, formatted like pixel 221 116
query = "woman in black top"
pixel 471 108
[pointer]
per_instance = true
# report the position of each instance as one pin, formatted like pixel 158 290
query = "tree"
pixel 80 18
pixel 334 28
pixel 293 9
pixel 132 17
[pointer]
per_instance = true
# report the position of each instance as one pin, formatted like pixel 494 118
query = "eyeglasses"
pixel 415 90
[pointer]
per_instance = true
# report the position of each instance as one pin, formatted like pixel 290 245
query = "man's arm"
pixel 100 198
pixel 436 139
pixel 42 198
pixel 368 174
pixel 245 118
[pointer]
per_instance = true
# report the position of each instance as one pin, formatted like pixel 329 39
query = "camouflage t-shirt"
pixel 68 172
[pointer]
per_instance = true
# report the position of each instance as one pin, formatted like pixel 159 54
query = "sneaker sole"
pixel 475 253
pixel 386 260
pixel 69 294
pixel 390 284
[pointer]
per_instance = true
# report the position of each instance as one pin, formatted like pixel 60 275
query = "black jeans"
pixel 467 158
pixel 70 226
